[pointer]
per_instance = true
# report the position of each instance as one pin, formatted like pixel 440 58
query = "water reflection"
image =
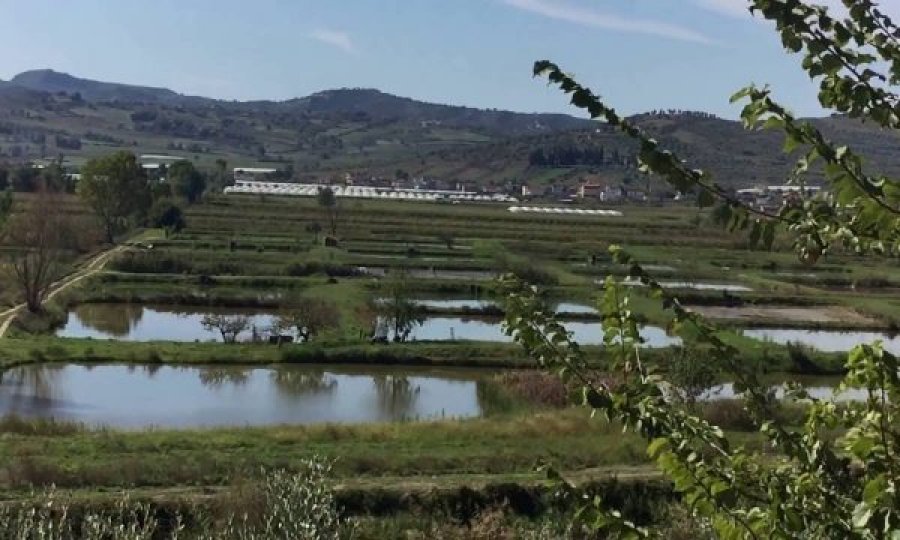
pixel 135 322
pixel 696 285
pixel 162 323
pixel 33 389
pixel 213 377
pixel 432 273
pixel 395 393
pixel 480 304
pixel 462 328
pixel 167 396
pixel 298 383
pixel 117 320
pixel 824 392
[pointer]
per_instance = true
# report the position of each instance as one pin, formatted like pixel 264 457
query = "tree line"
pixel 574 156
pixel 43 235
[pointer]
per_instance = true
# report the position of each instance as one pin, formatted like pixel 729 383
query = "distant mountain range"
pixel 47 80
pixel 44 113
pixel 368 102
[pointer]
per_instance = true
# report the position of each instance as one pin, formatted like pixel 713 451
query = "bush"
pixel 536 387
pixel 40 323
pixel 150 263
pixel 310 268
pixel 524 269
pixel 51 520
pixel 295 505
pixel 801 359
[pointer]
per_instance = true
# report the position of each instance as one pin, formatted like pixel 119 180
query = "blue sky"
pixel 639 54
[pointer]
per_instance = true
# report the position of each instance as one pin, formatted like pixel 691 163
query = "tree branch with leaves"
pixel 837 475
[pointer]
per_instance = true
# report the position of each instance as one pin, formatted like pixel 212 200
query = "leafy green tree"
pixel 25 179
pixel 447 239
pixel 220 175
pixel 187 182
pixel 838 474
pixel 396 312
pixel 54 178
pixel 691 375
pixel 229 326
pixel 328 201
pixel 165 214
pixel 316 229
pixel 310 317
pixel 6 205
pixel 116 189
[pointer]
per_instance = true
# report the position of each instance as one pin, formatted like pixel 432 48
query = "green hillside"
pixel 44 114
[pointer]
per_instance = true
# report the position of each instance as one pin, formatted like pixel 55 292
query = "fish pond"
pixel 133 322
pixel 825 340
pixel 141 396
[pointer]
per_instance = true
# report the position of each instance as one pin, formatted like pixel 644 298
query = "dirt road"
pixel 92 267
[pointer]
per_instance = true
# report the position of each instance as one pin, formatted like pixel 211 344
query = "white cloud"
pixel 740 8
pixel 555 9
pixel 731 8
pixel 335 38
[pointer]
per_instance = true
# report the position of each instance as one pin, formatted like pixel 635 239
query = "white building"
pixel 244 186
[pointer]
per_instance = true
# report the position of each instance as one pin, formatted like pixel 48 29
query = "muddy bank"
pixel 832 316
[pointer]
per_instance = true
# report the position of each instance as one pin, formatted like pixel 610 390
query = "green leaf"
pixel 791 143
pixel 768 236
pixel 874 489
pixel 705 199
pixel 862 446
pixel 861 515
pixel 656 446
pixel 755 234
pixel 741 94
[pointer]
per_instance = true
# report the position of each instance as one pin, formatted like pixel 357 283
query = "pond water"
pixel 456 303
pixel 135 322
pixel 819 389
pixel 166 396
pixel 578 309
pixel 695 285
pixel 404 257
pixel 425 273
pixel 472 303
pixel 824 340
pixel 461 328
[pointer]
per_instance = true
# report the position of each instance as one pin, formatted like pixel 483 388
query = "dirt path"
pixel 414 484
pixel 92 267
pixel 812 314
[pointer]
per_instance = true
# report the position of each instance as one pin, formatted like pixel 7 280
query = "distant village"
pixel 590 189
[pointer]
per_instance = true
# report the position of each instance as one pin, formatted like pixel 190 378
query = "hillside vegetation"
pixel 369 133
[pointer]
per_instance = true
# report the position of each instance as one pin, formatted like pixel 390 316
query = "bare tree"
pixel 311 317
pixel 40 235
pixel 230 326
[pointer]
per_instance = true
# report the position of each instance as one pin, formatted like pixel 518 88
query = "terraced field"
pixel 262 256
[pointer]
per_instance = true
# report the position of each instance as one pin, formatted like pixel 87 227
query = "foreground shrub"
pixel 291 506
pixel 50 519
pixel 295 505
pixel 838 474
